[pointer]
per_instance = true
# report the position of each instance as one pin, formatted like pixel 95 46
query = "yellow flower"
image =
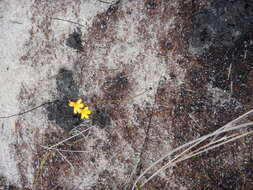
pixel 78 105
pixel 85 113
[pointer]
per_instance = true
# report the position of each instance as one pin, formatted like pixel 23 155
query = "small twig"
pixel 66 159
pixel 231 90
pixel 230 71
pixel 22 113
pixel 63 150
pixel 193 119
pixel 68 21
pixel 106 2
pixel 65 140
pixel 88 103
pixel 144 146
pixel 138 167
pixel 231 81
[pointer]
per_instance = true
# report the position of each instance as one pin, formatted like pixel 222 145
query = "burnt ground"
pixel 219 40
pixel 191 68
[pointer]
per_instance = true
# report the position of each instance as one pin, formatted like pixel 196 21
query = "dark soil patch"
pixel 101 117
pixel 116 87
pixel 63 115
pixel 66 85
pixel 60 112
pixel 219 38
pixel 221 24
pixel 75 40
pixel 226 64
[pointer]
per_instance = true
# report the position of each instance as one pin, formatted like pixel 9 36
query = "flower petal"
pixel 71 104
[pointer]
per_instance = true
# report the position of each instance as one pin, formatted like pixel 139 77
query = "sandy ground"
pixel 151 78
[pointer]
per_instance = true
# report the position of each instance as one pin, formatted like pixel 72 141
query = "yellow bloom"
pixel 85 113
pixel 78 105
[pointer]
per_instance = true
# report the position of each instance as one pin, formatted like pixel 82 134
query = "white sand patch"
pixel 16 23
pixel 33 49
pixel 14 31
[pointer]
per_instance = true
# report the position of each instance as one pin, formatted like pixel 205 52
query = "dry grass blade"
pixel 165 156
pixel 42 164
pixel 188 146
pixel 67 139
pixel 195 153
pixel 71 165
pixel 178 156
pixel 63 150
